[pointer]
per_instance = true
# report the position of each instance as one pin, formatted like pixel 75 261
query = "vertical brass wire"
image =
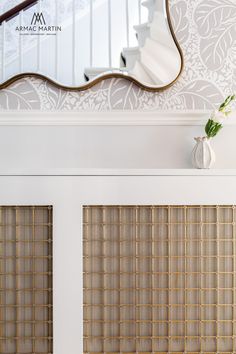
pixel 201 287
pixel 50 267
pixel 33 277
pixel 169 279
pixel 136 283
pixel 2 270
pixel 43 270
pixel 234 283
pixel 17 285
pixel 120 288
pixel 152 270
pixel 185 280
pixel 4 278
pixel 84 236
pixel 103 279
pixel 217 278
pixel 86 313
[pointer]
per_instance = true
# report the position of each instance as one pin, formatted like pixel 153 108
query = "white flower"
pixel 218 116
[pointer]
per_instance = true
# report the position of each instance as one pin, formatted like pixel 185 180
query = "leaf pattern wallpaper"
pixel 206 31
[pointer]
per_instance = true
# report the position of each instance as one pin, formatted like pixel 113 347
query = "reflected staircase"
pixel 147 61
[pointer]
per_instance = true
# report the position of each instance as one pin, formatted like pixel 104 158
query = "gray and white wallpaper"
pixel 206 31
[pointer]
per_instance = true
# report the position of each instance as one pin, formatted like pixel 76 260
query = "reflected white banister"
pixel 91 33
pixel 39 43
pixel 56 40
pixel 3 49
pixel 20 44
pixel 127 22
pixel 73 42
pixel 139 11
pixel 109 33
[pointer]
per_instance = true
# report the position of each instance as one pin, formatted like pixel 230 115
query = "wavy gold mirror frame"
pixel 145 70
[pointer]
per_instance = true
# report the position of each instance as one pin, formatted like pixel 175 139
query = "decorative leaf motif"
pixel 124 96
pixel 55 97
pixel 232 56
pixel 20 96
pixel 199 94
pixel 215 22
pixel 209 15
pixel 180 21
pixel 234 88
pixel 94 99
pixel 214 50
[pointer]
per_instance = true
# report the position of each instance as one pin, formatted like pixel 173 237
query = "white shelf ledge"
pixel 117 172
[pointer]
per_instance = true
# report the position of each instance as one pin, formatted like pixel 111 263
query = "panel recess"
pixel 26 280
pixel 159 279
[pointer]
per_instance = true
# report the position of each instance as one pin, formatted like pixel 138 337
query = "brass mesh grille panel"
pixel 159 279
pixel 25 280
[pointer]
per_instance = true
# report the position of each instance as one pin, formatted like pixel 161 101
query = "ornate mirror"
pixel 76 43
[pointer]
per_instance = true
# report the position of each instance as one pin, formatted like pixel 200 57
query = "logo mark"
pixel 38 18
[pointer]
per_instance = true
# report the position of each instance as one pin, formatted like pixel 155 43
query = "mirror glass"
pixel 75 43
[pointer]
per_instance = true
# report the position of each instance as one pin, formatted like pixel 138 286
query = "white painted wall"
pixel 108 146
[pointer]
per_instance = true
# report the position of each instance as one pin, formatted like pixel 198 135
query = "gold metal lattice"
pixel 159 279
pixel 25 280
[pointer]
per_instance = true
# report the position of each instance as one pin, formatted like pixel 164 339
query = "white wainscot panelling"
pixel 108 140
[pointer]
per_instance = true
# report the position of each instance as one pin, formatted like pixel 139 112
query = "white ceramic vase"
pixel 203 155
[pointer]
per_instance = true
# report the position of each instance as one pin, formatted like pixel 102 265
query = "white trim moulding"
pixel 107 118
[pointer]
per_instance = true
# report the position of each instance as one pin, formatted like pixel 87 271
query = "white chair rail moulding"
pixel 109 118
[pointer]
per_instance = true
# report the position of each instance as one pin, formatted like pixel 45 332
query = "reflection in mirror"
pixel 76 42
